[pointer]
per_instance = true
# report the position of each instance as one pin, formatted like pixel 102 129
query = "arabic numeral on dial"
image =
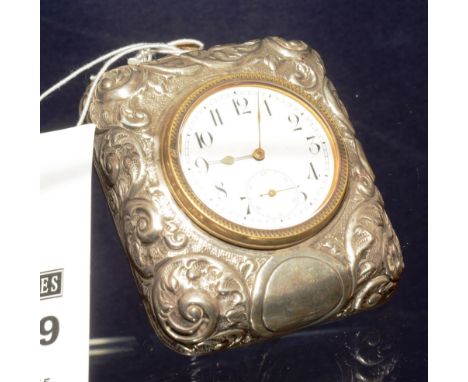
pixel 204 139
pixel 216 117
pixel 50 328
pixel 294 120
pixel 314 147
pixel 248 212
pixel 241 105
pixel 312 172
pixel 220 187
pixel 267 107
pixel 202 164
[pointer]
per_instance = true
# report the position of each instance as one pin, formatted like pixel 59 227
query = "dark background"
pixel 375 52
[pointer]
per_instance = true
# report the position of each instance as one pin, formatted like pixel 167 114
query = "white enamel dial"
pixel 257 156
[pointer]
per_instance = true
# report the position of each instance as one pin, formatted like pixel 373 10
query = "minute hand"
pixel 259 153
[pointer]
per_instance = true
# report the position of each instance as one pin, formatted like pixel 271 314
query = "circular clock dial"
pixel 257 155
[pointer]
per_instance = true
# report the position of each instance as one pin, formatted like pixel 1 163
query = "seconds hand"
pixel 273 192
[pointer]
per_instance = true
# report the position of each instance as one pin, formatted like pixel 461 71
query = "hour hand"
pixel 229 159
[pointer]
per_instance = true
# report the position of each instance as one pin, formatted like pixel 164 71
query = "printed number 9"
pixel 50 328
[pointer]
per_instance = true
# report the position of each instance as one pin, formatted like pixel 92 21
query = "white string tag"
pixel 66 165
pixel 145 50
pixel 64 253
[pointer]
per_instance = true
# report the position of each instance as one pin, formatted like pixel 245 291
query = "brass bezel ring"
pixel 232 232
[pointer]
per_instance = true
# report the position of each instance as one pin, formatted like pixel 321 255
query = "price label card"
pixel 64 253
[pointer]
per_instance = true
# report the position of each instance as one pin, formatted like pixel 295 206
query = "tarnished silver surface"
pixel 201 293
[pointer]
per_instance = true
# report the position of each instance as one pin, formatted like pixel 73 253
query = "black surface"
pixel 376 55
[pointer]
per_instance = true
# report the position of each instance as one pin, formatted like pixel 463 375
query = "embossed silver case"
pixel 201 293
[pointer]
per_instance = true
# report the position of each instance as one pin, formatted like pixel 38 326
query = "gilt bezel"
pixel 221 227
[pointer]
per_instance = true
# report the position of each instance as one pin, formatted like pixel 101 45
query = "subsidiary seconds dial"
pixel 256 158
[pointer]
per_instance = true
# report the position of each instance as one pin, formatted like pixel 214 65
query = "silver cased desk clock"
pixel 242 197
